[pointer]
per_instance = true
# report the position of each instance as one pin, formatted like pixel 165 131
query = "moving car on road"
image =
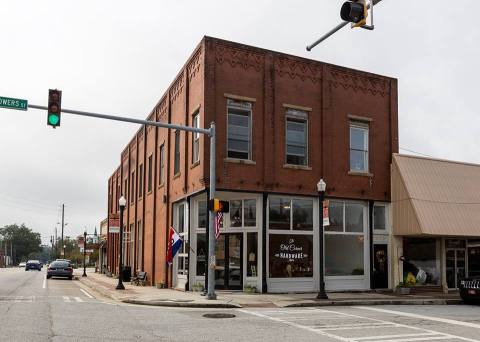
pixel 470 290
pixel 33 265
pixel 22 264
pixel 60 269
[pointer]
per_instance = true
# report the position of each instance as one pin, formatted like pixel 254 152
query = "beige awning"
pixel 435 197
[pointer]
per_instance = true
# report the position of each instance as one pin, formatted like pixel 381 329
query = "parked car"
pixel 22 264
pixel 470 290
pixel 60 269
pixel 33 265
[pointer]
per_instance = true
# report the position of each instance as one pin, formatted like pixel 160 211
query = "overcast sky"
pixel 118 57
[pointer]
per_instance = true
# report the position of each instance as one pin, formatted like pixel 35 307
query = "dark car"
pixel 33 265
pixel 60 269
pixel 470 290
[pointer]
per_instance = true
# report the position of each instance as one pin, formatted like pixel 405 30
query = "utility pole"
pixel 63 217
pixel 56 244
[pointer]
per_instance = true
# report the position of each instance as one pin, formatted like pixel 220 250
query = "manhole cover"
pixel 219 315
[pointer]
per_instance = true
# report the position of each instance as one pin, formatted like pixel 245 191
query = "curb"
pixel 377 302
pixel 183 304
pixel 98 289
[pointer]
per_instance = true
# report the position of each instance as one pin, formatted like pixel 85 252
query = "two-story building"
pixel 283 123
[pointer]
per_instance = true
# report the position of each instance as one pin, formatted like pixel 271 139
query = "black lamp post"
pixel 122 202
pixel 84 253
pixel 321 186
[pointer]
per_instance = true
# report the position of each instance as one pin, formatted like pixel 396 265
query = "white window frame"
pixel 161 176
pixel 196 138
pixel 387 218
pixel 176 151
pixel 180 280
pixel 247 107
pixel 296 115
pixel 365 128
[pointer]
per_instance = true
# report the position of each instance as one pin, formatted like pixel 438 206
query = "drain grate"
pixel 218 315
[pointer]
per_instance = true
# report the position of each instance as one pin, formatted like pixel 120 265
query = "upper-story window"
pixel 140 181
pixel 150 174
pixel 358 147
pixel 176 163
pixel 196 139
pixel 296 137
pixel 380 217
pixel 162 163
pixel 239 129
pixel 132 190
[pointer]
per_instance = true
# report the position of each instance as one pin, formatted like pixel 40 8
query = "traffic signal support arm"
pixel 334 30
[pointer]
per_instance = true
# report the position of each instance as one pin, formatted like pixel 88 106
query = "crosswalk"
pixel 348 327
pixel 32 299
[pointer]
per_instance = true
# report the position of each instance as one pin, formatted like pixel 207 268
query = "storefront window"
pixel 236 213
pixel 379 217
pixel 474 262
pixel 344 255
pixel 252 254
pixel 420 265
pixel 202 251
pixel 354 217
pixel 302 214
pixel 336 217
pixel 202 214
pixel 279 214
pixel 290 256
pixel 250 212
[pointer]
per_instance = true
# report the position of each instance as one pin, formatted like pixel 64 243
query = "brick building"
pixel 283 123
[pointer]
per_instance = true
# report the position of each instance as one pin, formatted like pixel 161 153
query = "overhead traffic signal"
pixel 218 206
pixel 355 12
pixel 54 107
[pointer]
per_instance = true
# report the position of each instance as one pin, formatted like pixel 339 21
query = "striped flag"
pixel 218 221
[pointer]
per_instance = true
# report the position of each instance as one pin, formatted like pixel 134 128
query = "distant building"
pixel 436 221
pixel 283 123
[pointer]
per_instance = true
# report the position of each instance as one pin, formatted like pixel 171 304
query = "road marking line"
pixel 436 319
pixel 44 282
pixel 86 293
pixel 78 299
pixel 375 338
pixel 417 339
pixel 361 327
pixel 66 299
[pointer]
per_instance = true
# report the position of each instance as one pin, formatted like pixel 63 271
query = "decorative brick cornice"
pixel 237 57
pixel 289 67
pixel 177 87
pixel 162 111
pixel 140 133
pixel 357 82
pixel 193 66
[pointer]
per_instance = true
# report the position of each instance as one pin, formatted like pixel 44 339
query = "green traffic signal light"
pixel 53 119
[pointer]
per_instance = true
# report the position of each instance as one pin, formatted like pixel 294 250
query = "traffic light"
pixel 355 12
pixel 54 107
pixel 219 206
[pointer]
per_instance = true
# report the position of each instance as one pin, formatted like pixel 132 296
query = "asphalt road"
pixel 35 309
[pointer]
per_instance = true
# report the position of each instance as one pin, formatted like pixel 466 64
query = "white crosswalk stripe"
pixel 66 299
pixel 78 299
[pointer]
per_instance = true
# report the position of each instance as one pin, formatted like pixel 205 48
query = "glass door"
pixel 455 267
pixel 229 260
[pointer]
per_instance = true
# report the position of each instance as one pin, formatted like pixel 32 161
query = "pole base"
pixel 120 287
pixel 84 275
pixel 211 296
pixel 322 295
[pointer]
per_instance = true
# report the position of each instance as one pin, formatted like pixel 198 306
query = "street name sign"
pixel 18 104
pixel 114 230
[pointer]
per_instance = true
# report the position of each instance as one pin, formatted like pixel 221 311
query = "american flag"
pixel 218 221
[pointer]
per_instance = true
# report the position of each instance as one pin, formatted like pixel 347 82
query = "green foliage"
pixel 24 241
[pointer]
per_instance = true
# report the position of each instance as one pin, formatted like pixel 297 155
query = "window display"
pixel 290 256
pixel 421 264
pixel 344 255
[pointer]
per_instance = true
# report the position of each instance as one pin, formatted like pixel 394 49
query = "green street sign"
pixel 18 104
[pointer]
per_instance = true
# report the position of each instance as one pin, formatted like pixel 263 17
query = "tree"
pixel 23 241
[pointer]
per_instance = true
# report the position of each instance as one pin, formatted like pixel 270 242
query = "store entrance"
pixel 455 267
pixel 229 260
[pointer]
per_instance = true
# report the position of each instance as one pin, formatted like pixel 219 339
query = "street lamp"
pixel 122 202
pixel 84 253
pixel 321 186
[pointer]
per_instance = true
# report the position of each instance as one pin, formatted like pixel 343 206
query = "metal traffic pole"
pixel 211 230
pixel 335 29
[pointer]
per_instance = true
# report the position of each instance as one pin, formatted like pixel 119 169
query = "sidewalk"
pixel 148 295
